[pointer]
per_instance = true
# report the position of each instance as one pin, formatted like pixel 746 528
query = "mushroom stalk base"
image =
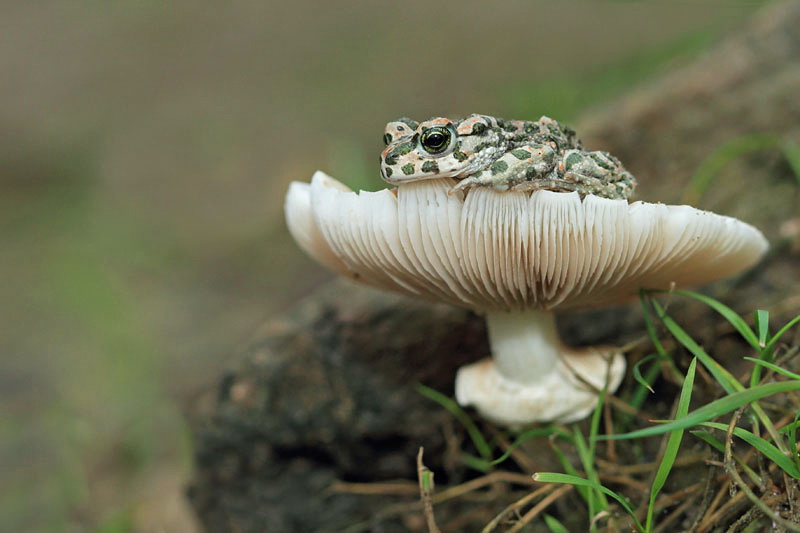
pixel 532 377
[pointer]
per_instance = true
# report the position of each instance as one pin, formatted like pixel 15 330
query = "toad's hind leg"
pixel 598 173
pixel 524 163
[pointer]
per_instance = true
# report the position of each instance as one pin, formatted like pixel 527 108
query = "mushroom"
pixel 516 257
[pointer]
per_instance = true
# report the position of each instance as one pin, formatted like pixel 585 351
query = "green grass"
pixel 119 524
pixel 554 477
pixel 97 361
pixel 782 451
pixel 564 98
pixel 711 168
pixel 673 444
pixel 758 431
pixel 482 463
pixel 554 525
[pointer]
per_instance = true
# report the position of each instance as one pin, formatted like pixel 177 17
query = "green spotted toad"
pixel 483 151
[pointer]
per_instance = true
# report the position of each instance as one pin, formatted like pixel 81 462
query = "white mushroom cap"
pixel 514 250
pixel 515 256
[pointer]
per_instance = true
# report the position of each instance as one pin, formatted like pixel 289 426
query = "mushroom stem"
pixel 525 345
pixel 532 377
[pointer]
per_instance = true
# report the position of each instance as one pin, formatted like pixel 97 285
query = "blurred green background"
pixel 145 148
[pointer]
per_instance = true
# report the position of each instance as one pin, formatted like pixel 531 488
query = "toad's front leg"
pixel 522 164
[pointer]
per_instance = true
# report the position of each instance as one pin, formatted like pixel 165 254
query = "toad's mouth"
pixel 546 184
pixel 390 175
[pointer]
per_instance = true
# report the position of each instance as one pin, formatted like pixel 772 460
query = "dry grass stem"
pixel 539 507
pixel 665 525
pixel 730 468
pixel 491 526
pixel 611 445
pixel 703 507
pixel 523 461
pixel 673 497
pixel 712 520
pixel 458 491
pixel 645 468
pixel 394 488
pixel 627 481
pixel 425 477
pixel 494 477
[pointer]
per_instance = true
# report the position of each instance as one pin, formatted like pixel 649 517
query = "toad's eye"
pixel 436 140
pixel 387 138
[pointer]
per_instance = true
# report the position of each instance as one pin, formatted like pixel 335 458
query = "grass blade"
pixel 585 493
pixel 726 312
pixel 712 165
pixel 636 400
pixel 554 525
pixel 448 403
pixel 768 450
pixel 781 332
pixel 717 444
pixel 793 426
pixel 644 297
pixel 792 436
pixel 762 330
pixel 530 434
pixel 792 154
pixel 711 410
pixel 554 477
pixel 709 438
pixel 586 455
pixel 780 370
pixel 725 378
pixel 637 373
pixel 476 463
pixel 673 443
pixel 762 327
